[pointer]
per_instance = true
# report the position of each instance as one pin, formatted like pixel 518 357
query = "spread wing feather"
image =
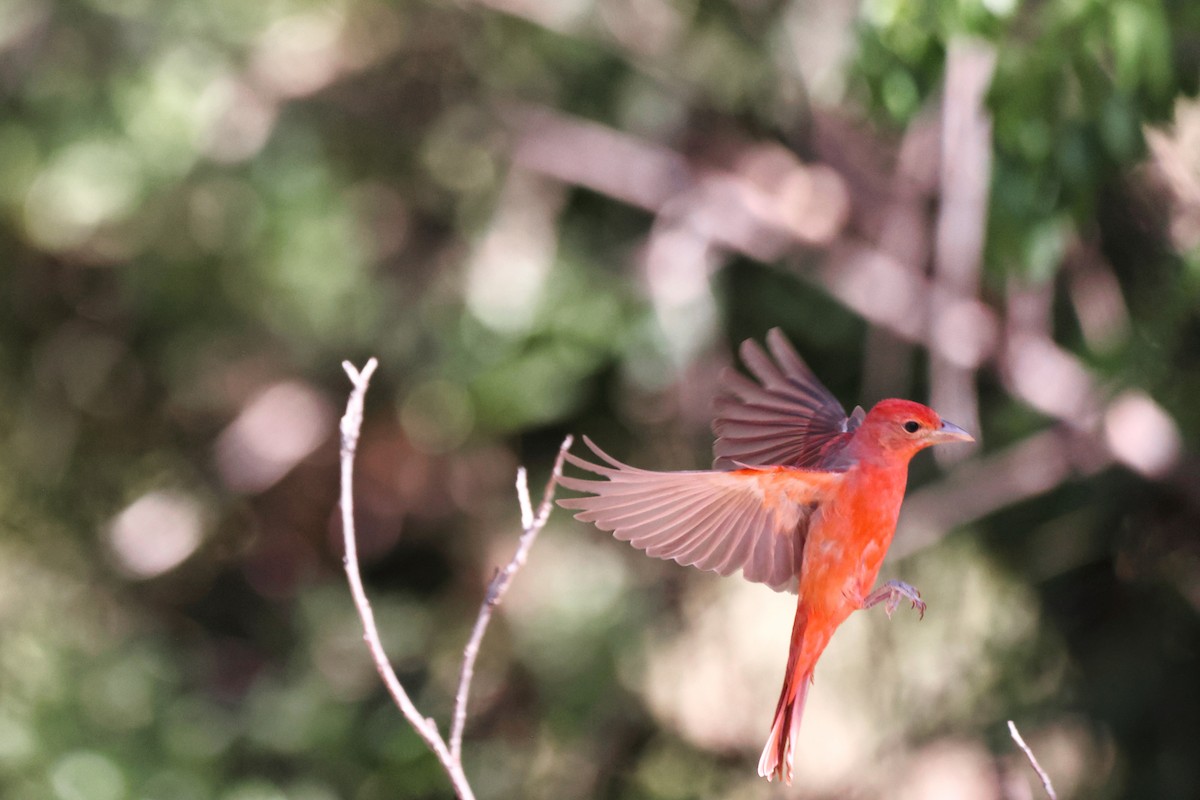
pixel 754 520
pixel 786 418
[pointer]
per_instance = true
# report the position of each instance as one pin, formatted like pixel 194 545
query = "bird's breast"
pixel 849 540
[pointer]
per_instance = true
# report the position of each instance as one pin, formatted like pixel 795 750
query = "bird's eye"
pixel 912 426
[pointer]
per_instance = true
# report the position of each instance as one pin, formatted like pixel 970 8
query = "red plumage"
pixel 802 496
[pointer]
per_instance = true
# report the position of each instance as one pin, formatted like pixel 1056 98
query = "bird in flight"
pixel 802 497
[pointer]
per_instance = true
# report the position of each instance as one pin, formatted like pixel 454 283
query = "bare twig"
pixel 532 524
pixel 425 727
pixel 1016 735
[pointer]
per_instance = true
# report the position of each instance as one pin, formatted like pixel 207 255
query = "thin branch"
pixel 532 524
pixel 425 727
pixel 1016 735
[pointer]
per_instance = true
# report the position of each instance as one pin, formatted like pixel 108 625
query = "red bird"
pixel 802 497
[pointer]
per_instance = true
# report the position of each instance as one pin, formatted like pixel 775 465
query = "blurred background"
pixel 553 216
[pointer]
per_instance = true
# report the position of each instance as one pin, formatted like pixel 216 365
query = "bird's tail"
pixel 777 756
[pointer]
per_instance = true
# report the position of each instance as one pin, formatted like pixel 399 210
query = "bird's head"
pixel 904 427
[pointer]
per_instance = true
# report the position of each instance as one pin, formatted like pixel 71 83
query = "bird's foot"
pixel 891 593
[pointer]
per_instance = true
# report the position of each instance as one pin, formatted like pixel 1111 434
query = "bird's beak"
pixel 949 432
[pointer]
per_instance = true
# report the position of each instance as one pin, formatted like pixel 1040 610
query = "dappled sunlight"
pixel 298 54
pixel 1174 161
pixel 570 591
pixel 546 217
pixel 646 27
pixel 1050 380
pixel 677 267
pixel 18 19
pixel 872 282
pixel 947 661
pixel 275 430
pixel 506 277
pixel 1141 434
pixel 85 186
pixel 85 773
pixel 809 201
pixel 963 334
pixel 1099 303
pixel 950 770
pixel 156 533
pixel 717 679
pixel 169 114
pixel 244 122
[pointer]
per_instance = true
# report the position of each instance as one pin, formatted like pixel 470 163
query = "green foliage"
pixel 1075 82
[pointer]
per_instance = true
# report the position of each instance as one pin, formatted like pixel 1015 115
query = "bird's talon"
pixel 890 595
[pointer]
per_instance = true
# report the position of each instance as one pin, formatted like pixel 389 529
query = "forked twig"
pixel 532 524
pixel 425 727
pixel 1016 735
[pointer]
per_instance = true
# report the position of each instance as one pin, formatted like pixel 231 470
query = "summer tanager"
pixel 802 497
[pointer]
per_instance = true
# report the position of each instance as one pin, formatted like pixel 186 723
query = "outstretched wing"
pixel 754 520
pixel 786 419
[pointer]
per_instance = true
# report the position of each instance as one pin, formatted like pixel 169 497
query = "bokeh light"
pixel 550 217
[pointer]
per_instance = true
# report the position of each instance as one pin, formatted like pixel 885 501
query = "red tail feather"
pixel 777 757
